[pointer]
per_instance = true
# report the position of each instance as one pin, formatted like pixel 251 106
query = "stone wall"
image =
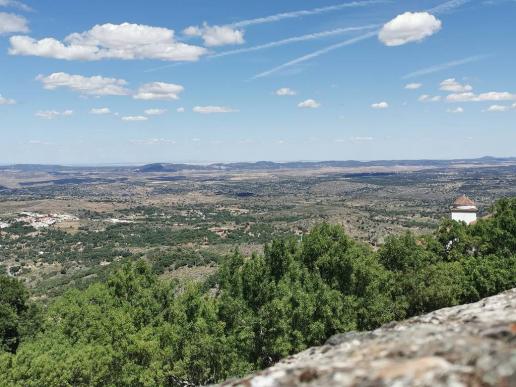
pixel 466 345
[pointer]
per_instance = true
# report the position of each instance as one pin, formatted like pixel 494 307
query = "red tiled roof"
pixel 463 201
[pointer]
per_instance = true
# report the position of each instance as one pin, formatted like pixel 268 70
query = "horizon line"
pixel 208 163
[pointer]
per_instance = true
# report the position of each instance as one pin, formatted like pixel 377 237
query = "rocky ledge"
pixel 466 345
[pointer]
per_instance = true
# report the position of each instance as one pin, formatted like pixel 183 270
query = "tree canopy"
pixel 138 330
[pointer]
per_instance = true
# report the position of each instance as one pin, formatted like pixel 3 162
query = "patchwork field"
pixel 64 227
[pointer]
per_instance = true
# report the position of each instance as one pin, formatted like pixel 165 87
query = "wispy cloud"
pixel 213 109
pixel 315 54
pixel 306 12
pixel 15 4
pixel 296 39
pixel 444 66
pixel 6 101
pixel 40 142
pixel 448 6
pixel 134 118
pixel 51 114
pixel 153 141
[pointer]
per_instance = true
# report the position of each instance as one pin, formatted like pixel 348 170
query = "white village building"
pixel 464 210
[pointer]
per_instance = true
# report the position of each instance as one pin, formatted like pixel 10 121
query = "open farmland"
pixel 70 226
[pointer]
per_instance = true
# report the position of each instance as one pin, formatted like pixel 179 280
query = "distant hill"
pixel 256 166
pixel 270 165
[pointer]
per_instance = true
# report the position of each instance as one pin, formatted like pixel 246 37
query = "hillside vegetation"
pixel 138 330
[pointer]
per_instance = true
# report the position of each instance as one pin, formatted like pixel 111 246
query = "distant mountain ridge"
pixel 255 166
pixel 270 165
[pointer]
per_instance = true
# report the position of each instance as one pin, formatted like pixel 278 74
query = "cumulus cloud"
pixel 216 35
pixel 95 85
pixel 159 91
pixel 100 111
pixel 409 27
pixel 180 109
pixel 51 114
pixel 213 109
pixel 134 118
pixel 98 86
pixel 453 86
pixel 489 96
pixel 413 86
pixel 155 112
pixel 429 98
pixel 456 110
pixel 285 91
pixel 6 101
pixel 110 41
pixel 309 104
pixel 11 23
pixel 380 105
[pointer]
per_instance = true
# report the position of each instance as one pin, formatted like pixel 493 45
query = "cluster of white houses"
pixel 464 210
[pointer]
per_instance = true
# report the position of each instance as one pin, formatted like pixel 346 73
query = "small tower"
pixel 464 210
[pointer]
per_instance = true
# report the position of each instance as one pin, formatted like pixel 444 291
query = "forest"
pixel 135 329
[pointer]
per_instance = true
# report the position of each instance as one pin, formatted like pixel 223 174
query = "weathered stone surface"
pixel 467 345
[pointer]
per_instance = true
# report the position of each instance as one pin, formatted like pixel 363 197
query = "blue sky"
pixel 100 82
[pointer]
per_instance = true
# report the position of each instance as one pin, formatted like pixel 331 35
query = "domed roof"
pixel 463 200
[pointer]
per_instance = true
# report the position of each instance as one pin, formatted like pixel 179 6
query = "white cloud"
pixel 180 109
pixel 285 91
pixel 40 142
pixel 159 90
pixel 15 4
pixel 309 104
pixel 51 114
pixel 100 111
pixel 134 118
pixel 11 23
pixel 98 85
pixel 456 110
pixel 213 109
pixel 472 97
pixel 361 139
pixel 192 31
pixel 153 141
pixel 110 41
pixel 409 27
pixel 413 86
pixel 455 87
pixel 429 98
pixel 155 112
pixel 216 35
pixel 498 108
pixel 380 105
pixel 6 101
pixel 95 85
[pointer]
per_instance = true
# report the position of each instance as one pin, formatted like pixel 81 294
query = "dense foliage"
pixel 138 330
